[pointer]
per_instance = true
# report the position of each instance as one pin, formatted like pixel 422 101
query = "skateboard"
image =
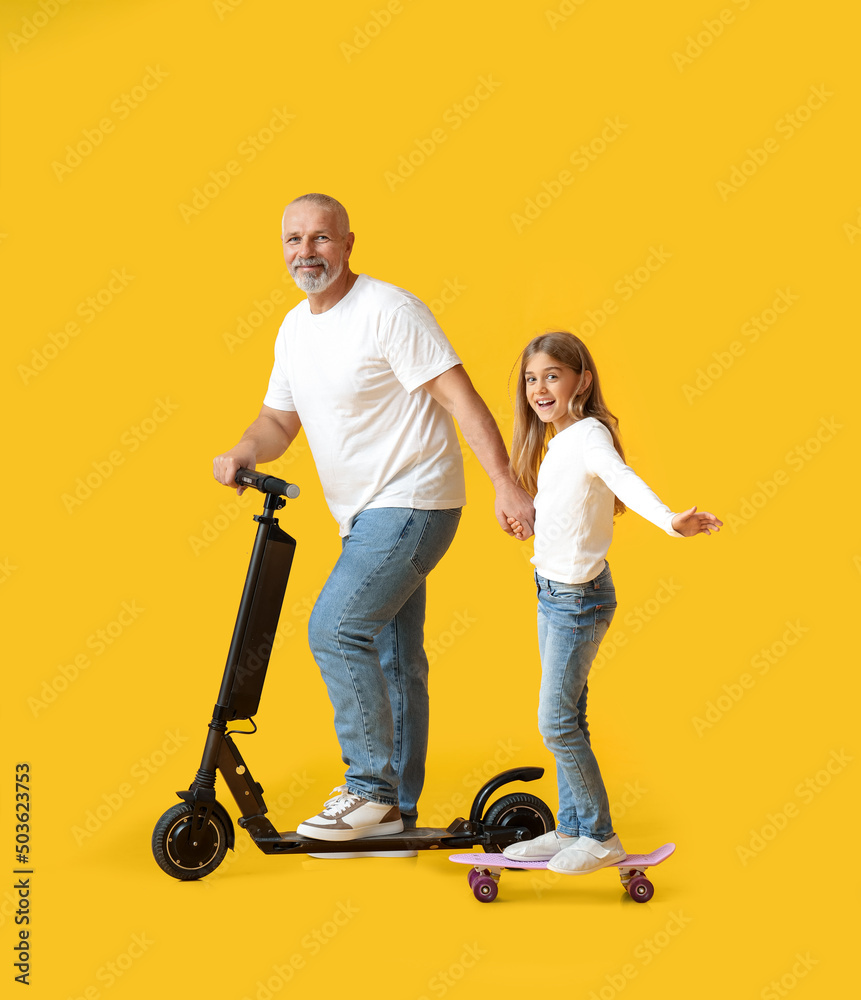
pixel 487 868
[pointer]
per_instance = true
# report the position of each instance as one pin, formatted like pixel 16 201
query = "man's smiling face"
pixel 315 247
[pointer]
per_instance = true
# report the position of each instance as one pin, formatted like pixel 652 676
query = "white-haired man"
pixel 366 370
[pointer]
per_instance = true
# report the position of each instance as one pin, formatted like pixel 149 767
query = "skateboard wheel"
pixel 640 889
pixel 471 876
pixel 484 889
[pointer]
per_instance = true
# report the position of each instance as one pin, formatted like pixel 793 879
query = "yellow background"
pixel 492 101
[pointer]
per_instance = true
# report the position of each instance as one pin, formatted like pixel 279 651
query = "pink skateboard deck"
pixel 487 868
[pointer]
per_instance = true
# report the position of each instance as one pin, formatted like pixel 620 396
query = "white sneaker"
pixel 348 817
pixel 586 855
pixel 541 848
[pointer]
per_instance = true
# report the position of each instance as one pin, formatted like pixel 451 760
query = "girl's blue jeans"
pixel 366 633
pixel 572 621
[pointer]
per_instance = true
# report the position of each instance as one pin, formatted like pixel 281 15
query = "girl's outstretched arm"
pixel 691 522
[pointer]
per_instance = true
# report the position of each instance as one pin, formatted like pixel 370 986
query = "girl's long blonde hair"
pixel 531 436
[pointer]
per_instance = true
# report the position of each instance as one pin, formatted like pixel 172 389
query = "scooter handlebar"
pixel 266 483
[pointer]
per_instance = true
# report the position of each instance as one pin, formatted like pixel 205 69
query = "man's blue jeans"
pixel 366 633
pixel 572 621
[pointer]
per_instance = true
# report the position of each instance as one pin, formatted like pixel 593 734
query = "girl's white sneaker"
pixel 541 848
pixel 586 855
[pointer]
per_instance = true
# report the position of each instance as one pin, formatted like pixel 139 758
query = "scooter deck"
pixel 422 839
pixel 425 838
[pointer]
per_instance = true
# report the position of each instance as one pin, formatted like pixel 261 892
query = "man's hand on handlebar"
pixel 225 467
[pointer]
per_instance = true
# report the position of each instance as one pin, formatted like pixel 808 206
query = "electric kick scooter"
pixel 191 839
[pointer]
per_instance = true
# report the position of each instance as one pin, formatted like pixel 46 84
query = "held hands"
pixel 515 511
pixel 516 528
pixel 690 523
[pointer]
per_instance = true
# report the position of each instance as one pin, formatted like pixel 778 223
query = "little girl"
pixel 567 453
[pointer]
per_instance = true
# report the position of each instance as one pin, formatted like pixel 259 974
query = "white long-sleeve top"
pixel 578 478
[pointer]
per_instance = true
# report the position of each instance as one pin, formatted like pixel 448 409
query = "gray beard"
pixel 310 283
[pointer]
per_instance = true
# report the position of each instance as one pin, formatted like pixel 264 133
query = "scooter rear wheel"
pixel 185 856
pixel 519 809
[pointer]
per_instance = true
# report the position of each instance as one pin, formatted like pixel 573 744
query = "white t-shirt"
pixel 353 374
pixel 578 478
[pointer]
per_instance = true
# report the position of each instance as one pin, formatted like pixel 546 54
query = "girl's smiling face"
pixel 549 388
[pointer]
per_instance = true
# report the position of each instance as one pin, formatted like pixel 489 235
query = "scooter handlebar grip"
pixel 266 483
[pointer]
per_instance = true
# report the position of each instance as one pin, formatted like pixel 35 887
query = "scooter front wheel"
pixel 184 853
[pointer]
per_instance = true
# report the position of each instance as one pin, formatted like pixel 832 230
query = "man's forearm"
pixel 266 438
pixel 482 435
pixel 454 391
pixel 264 441
pixel 479 429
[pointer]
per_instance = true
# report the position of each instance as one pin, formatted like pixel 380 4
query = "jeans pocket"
pixel 454 512
pixel 436 536
pixel 572 592
pixel 601 623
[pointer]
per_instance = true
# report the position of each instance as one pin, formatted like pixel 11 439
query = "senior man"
pixel 363 366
